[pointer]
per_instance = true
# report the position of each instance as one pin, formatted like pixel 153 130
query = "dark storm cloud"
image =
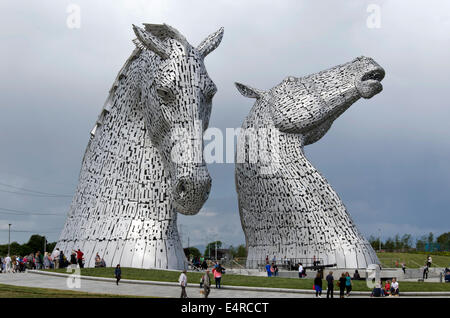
pixel 386 157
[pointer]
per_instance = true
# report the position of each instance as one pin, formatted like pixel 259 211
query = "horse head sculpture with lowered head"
pixel 176 97
pixel 144 161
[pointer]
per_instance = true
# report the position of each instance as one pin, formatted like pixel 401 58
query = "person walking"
pixel 8 264
pixel 318 285
pixel 348 283
pixel 330 281
pixel 13 263
pixel 404 268
pixel 118 274
pixel 429 261
pixel 206 284
pixel 183 283
pixel 341 284
pixel 425 272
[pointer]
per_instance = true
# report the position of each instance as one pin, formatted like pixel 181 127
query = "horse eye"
pixel 165 94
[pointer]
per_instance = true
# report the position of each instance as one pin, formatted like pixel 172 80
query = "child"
pixel 387 287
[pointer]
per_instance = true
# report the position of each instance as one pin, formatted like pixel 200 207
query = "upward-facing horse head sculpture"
pixel 288 209
pixel 144 161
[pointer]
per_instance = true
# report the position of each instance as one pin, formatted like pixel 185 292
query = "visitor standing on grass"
pixel 118 273
pixel 318 285
pixel 206 284
pixel 429 261
pixel 80 258
pixel 217 272
pixel 275 270
pixel 268 270
pixel 55 257
pixel 341 284
pixel 38 260
pixel 183 283
pixel 330 281
pixel 348 283
pixel 46 261
pixel 73 258
pixel 300 270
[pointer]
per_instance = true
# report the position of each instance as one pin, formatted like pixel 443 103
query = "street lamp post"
pixel 9 239
pixel 379 240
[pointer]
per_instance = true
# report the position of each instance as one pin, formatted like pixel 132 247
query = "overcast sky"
pixel 387 157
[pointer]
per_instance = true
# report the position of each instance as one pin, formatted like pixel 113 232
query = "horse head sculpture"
pixel 144 161
pixel 291 211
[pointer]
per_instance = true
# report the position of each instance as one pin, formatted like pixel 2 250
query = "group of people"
pixel 17 264
pixel 205 281
pixel 199 263
pixel 60 260
pixel 391 288
pixel 271 269
pixel 344 283
pixel 38 260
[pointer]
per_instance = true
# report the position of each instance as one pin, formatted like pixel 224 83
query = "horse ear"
pixel 248 91
pixel 210 43
pixel 151 42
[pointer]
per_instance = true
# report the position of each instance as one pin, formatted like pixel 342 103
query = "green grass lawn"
pixel 412 260
pixel 11 291
pixel 241 280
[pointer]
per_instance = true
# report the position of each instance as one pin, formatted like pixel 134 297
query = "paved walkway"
pixel 160 289
pixel 100 287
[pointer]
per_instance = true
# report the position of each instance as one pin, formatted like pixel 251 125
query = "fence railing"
pixel 290 264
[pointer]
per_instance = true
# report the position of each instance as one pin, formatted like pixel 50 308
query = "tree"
pixel 389 244
pixel 444 241
pixel 406 241
pixel 36 243
pixel 241 251
pixel 375 242
pixel 192 252
pixel 430 239
pixel 211 247
pixel 421 243
pixel 397 242
pixel 51 246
